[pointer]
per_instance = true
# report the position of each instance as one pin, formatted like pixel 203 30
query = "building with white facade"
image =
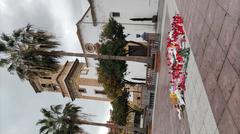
pixel 79 80
pixel 89 27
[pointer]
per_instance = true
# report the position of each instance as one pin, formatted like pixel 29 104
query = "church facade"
pixel 126 12
pixel 79 80
pixel 72 80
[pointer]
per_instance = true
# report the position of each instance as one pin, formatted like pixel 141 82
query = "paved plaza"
pixel 213 83
pixel 165 116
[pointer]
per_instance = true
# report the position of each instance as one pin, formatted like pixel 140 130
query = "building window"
pixel 138 98
pixel 43 85
pixel 114 14
pixel 82 90
pixel 100 92
pixel 46 85
pixel 56 87
pixel 84 72
pixel 47 78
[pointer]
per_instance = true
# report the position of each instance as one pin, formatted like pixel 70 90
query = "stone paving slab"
pixel 214 34
pixel 226 125
pixel 219 61
pixel 165 120
pixel 227 32
pixel 234 53
pixel 227 80
pixel 218 19
pixel 234 105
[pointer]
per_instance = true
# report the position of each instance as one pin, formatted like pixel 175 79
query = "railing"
pixel 150 78
pixel 151 75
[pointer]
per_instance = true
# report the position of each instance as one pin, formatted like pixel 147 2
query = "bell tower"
pixel 74 80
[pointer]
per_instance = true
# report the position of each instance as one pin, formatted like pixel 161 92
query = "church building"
pixel 72 80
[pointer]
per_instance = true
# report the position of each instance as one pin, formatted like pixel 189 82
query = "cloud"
pixel 2 6
pixel 19 104
pixel 56 16
pixel 20 107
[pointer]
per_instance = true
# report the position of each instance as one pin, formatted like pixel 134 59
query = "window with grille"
pixel 46 85
pixel 47 78
pixel 115 14
pixel 99 92
pixel 82 90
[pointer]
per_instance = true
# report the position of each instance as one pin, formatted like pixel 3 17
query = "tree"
pixel 17 52
pixel 111 72
pixel 66 121
pixel 122 108
pixel 112 83
pixel 60 122
pixel 30 52
pixel 115 31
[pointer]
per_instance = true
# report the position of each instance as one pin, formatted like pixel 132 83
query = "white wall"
pixel 90 33
pixel 90 91
pixel 128 9
pixel 92 73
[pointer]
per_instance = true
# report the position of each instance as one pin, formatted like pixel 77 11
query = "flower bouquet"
pixel 177 59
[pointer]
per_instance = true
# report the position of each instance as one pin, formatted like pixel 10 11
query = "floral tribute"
pixel 177 59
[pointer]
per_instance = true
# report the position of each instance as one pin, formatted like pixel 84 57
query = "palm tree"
pixel 67 120
pixel 17 51
pixel 58 122
pixel 29 52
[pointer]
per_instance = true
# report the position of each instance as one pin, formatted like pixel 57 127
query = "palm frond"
pixel 2 46
pixel 5 37
pixel 3 62
pixel 17 33
pixel 42 121
pixel 47 113
pixel 28 27
pixel 11 43
pixel 65 121
pixel 56 109
pixel 43 129
pixel 47 132
pixel 11 68
pixel 21 73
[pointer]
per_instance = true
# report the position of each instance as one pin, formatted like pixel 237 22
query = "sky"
pixel 19 104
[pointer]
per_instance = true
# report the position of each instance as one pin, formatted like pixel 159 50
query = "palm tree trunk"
pixel 132 129
pixel 134 91
pixel 129 52
pixel 139 79
pixel 132 82
pixel 84 122
pixel 105 57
